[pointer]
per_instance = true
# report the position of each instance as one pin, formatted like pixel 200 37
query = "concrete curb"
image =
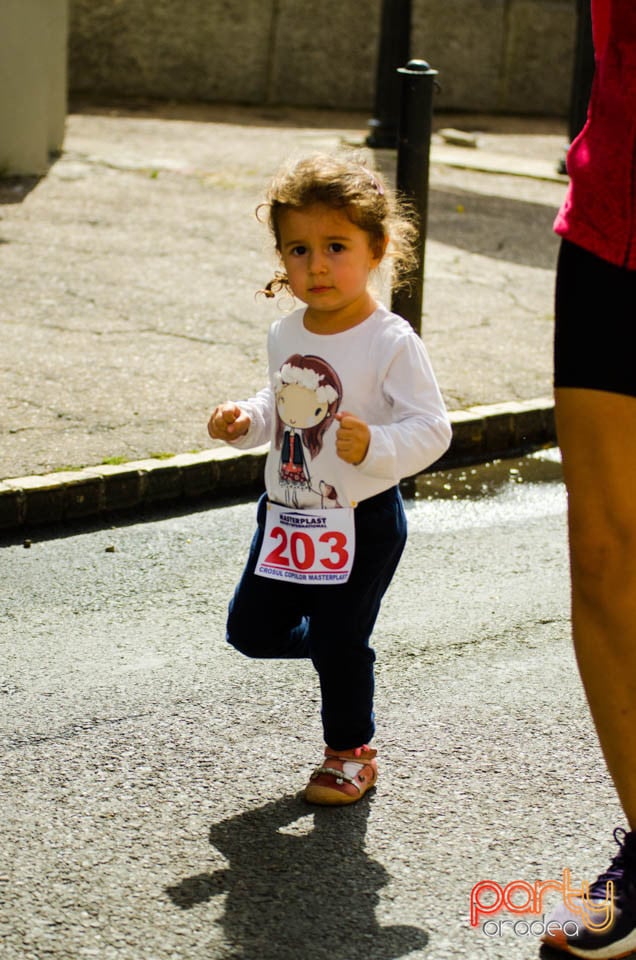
pixel 507 165
pixel 479 433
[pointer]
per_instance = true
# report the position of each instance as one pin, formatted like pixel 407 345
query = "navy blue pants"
pixel 330 624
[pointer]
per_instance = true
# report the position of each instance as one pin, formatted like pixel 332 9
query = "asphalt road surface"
pixel 150 805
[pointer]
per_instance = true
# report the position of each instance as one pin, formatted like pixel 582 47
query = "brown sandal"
pixel 344 777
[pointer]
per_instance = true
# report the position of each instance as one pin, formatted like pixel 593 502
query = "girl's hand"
pixel 352 438
pixel 228 422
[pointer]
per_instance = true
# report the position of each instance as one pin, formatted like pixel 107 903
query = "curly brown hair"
pixel 344 183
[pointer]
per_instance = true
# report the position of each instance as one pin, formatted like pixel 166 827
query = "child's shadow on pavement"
pixel 309 895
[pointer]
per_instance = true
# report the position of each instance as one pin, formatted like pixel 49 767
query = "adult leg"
pixel 597 435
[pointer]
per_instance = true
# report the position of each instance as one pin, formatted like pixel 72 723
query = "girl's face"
pixel 328 260
pixel 299 407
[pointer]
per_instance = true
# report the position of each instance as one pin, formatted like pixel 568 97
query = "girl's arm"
pixel 352 438
pixel 228 422
pixel 420 431
pixel 246 423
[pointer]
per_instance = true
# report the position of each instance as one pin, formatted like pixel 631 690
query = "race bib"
pixel 307 546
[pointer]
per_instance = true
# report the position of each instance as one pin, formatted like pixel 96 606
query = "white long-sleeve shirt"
pixel 383 376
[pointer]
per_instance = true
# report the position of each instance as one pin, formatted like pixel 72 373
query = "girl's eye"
pixel 337 247
pixel 298 251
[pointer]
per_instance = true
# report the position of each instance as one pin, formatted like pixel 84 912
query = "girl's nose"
pixel 317 261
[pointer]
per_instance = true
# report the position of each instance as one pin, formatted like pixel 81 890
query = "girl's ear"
pixel 380 250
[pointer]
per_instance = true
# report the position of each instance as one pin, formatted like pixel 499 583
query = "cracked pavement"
pixel 151 773
pixel 128 303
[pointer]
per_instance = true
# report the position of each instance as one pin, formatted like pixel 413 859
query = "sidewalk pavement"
pixel 128 307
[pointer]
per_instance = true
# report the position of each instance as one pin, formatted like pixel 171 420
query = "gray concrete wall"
pixel 510 56
pixel 493 55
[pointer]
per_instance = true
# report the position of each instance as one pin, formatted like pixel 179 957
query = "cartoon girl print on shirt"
pixel 308 393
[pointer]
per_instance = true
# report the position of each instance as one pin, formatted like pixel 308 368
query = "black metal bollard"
pixel 414 145
pixel 583 69
pixel 582 74
pixel 395 40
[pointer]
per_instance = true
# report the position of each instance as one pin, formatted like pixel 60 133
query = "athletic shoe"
pixel 602 923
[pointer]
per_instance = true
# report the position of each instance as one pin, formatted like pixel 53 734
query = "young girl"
pixel 351 407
